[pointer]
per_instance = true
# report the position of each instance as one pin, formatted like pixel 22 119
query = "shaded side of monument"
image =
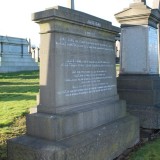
pixel 79 116
pixel 139 81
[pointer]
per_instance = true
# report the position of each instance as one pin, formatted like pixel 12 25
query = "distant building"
pixel 15 55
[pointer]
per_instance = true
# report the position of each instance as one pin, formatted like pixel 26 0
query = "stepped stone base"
pixel 63 125
pixel 142 95
pixel 149 116
pixel 104 142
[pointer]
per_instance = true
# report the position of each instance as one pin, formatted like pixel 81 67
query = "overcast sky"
pixel 15 15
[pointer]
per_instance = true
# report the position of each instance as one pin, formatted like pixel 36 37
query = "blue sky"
pixel 16 21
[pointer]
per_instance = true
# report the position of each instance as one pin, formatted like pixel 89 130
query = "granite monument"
pixel 139 82
pixel 79 116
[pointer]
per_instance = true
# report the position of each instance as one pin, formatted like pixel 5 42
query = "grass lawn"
pixel 17 94
pixel 150 151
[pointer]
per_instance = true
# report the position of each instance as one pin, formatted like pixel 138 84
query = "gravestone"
pixel 79 116
pixel 139 82
pixel 14 55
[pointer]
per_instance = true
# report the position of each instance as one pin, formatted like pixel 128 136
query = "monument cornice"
pixel 138 14
pixel 62 13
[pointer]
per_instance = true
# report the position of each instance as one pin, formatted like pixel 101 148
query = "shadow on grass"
pixel 22 73
pixel 20 77
pixel 16 97
pixel 19 89
pixel 17 83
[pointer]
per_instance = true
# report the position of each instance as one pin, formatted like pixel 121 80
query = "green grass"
pixel 17 94
pixel 150 151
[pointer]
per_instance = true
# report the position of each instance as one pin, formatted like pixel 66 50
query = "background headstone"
pixel 138 82
pixel 15 56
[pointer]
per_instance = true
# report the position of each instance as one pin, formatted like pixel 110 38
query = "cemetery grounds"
pixel 18 94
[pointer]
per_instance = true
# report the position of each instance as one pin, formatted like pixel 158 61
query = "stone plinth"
pixel 79 115
pixel 104 142
pixel 138 82
pixel 142 94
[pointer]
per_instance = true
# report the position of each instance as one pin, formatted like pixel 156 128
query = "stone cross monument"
pixel 70 4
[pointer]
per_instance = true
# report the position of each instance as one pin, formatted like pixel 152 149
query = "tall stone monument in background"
pixel 139 81
pixel 15 56
pixel 79 116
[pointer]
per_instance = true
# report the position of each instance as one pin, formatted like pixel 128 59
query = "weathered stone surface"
pixel 83 58
pixel 64 125
pixel 79 116
pixel 142 95
pixel 139 46
pixel 104 142
pixel 138 14
pixel 149 116
pixel 139 81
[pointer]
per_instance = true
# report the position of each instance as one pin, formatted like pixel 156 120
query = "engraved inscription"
pixel 70 42
pixel 94 23
pixel 86 77
pixel 90 34
pixel 85 69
